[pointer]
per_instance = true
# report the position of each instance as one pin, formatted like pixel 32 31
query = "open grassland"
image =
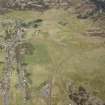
pixel 61 50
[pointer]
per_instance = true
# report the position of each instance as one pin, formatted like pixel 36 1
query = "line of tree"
pixel 15 46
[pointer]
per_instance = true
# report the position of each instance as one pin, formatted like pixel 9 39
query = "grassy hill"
pixel 62 50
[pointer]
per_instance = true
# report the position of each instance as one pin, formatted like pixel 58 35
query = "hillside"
pixel 65 49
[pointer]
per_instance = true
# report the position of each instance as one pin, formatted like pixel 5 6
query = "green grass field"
pixel 61 50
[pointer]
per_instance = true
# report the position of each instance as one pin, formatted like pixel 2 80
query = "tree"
pixel 100 5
